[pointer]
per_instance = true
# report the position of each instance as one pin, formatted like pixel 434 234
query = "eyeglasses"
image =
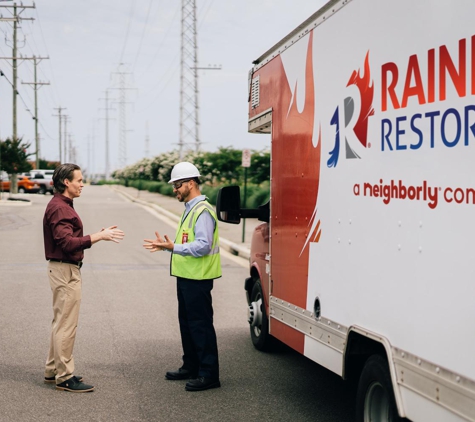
pixel 177 185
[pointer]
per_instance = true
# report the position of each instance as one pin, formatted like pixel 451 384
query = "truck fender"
pixel 384 344
pixel 249 284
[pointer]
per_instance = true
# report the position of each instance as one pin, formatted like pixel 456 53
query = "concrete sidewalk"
pixel 230 234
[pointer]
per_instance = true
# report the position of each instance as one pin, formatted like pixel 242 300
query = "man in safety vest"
pixel 196 263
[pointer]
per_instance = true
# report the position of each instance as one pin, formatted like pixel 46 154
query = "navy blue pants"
pixel 198 338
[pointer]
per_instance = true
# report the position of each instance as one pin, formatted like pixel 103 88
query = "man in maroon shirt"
pixel 64 249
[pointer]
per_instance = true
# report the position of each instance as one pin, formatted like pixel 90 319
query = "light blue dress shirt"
pixel 204 230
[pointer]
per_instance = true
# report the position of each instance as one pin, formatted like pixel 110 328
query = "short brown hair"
pixel 63 171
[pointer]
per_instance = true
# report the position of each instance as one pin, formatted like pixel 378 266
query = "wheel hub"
pixel 255 313
pixel 376 404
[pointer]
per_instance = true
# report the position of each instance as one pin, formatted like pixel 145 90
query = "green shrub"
pixel 259 197
pixel 154 186
pixel 110 182
pixel 211 192
pixel 166 189
pixel 250 191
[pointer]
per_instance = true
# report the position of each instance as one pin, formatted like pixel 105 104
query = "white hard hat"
pixel 184 170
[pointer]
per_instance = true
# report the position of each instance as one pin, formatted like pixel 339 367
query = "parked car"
pixel 47 173
pixel 25 184
pixel 45 181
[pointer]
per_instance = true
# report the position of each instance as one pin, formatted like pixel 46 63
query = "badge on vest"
pixel 184 238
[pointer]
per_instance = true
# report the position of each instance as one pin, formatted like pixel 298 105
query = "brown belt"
pixel 77 263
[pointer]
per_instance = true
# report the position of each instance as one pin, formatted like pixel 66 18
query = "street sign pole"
pixel 246 162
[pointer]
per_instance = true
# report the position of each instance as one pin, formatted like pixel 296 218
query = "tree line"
pixel 220 168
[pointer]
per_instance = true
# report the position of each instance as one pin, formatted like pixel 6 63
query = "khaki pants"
pixel 65 282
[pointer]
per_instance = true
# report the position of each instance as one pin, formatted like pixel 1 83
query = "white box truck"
pixel 365 258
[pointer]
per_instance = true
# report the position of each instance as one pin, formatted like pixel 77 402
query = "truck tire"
pixel 261 339
pixel 375 397
pixel 21 190
pixel 42 190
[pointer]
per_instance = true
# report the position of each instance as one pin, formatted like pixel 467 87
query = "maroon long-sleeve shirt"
pixel 63 231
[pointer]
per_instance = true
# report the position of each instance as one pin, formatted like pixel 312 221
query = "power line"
pixel 19 95
pixel 131 15
pixel 36 84
pixel 143 34
pixel 46 49
pixel 16 19
pixel 172 21
pixel 202 18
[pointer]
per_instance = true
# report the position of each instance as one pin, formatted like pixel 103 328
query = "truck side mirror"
pixel 228 205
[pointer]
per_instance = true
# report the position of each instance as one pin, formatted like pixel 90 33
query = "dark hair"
pixel 63 171
pixel 196 180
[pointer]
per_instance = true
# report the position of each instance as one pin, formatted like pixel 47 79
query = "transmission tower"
pixel 189 104
pixel 122 114
pixel 107 118
pixel 189 107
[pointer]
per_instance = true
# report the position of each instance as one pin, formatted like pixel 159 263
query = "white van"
pixel 48 174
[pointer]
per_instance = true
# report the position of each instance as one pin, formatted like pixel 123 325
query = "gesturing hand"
pixel 158 244
pixel 113 234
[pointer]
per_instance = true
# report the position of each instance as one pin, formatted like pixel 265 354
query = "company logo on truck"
pixel 398 189
pixel 426 79
pixel 447 127
pixel 411 116
pixel 360 129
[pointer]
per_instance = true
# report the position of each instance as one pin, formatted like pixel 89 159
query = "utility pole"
pixel 16 18
pixel 89 171
pixel 2 19
pixel 35 84
pixel 66 156
pixel 147 140
pixel 107 118
pixel 60 140
pixel 72 150
pixel 122 116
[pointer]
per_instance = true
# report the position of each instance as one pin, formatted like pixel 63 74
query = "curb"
pixel 15 202
pixel 226 244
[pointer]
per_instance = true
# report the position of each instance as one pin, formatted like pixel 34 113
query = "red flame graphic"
pixel 366 88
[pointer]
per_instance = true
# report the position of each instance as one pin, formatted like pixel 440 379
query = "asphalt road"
pixel 128 334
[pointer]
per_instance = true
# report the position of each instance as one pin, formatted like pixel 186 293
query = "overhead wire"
pixel 49 95
pixel 131 15
pixel 24 94
pixel 173 67
pixel 18 94
pixel 206 14
pixel 53 78
pixel 49 61
pixel 143 34
pixel 172 21
pixel 173 70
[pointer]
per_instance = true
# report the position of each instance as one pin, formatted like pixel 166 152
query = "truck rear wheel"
pixel 375 397
pixel 259 323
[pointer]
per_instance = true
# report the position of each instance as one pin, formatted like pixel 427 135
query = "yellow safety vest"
pixel 196 268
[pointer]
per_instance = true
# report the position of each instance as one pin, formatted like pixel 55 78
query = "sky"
pixel 89 42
